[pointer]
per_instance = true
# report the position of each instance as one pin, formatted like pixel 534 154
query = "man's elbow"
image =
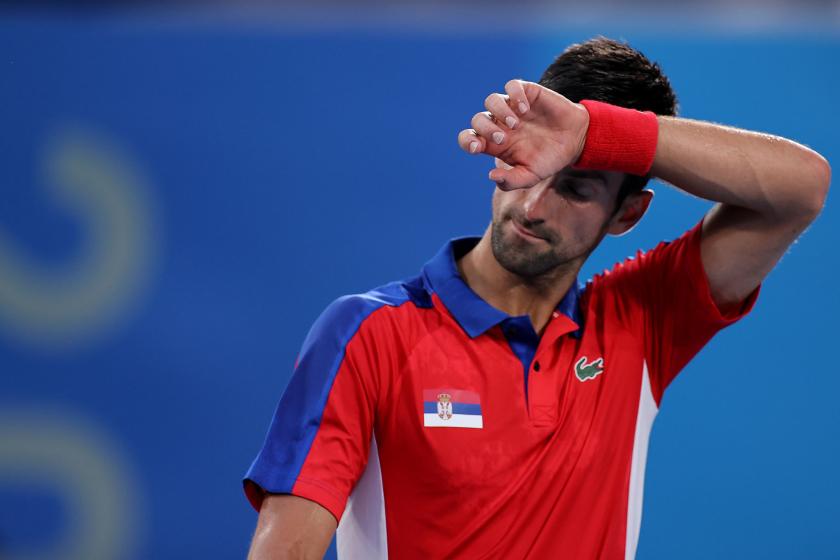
pixel 819 174
pixel 805 195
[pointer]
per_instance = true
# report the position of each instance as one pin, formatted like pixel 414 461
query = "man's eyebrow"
pixel 588 174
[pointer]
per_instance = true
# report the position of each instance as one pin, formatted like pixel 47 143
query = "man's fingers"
pixel 505 113
pixel 516 177
pixel 471 142
pixel 498 106
pixel 518 97
pixel 486 127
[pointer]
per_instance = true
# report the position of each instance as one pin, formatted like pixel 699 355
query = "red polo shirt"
pixel 434 426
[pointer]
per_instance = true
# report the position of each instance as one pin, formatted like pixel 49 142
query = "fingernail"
pixel 522 108
pixel 473 147
pixel 511 122
pixel 498 137
pixel 499 181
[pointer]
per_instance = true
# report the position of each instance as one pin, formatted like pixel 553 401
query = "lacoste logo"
pixel 584 371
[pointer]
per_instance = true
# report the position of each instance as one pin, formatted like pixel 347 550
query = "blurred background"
pixel 186 186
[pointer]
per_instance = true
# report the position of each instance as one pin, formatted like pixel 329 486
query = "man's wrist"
pixel 618 139
pixel 583 128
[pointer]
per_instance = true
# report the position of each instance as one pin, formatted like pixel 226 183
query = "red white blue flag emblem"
pixel 451 408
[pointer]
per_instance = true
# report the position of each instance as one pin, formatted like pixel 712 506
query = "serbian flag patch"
pixel 451 408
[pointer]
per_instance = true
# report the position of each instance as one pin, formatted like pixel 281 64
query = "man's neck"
pixel 511 293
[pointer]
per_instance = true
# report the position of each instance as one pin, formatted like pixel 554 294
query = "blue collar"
pixel 476 316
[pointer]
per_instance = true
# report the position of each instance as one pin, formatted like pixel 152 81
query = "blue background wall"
pixel 181 200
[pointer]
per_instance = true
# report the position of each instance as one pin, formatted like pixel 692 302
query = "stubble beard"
pixel 523 258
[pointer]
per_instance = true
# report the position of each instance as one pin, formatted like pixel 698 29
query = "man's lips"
pixel 523 232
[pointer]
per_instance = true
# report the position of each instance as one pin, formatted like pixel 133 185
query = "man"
pixel 491 407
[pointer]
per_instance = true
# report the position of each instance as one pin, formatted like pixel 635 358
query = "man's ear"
pixel 631 211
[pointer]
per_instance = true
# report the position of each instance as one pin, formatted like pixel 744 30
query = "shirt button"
pixel 536 366
pixel 511 332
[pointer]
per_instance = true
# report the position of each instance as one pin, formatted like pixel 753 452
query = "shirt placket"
pixel 546 372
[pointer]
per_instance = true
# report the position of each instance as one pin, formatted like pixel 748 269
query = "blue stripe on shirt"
pixel 457 408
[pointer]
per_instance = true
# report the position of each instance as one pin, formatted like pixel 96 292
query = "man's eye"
pixel 574 190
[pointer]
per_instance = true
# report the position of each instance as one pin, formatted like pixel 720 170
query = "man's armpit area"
pixel 731 312
pixel 728 312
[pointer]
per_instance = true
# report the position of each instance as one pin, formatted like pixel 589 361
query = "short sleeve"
pixel 318 442
pixel 667 302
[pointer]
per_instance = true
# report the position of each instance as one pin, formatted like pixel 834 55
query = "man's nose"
pixel 535 201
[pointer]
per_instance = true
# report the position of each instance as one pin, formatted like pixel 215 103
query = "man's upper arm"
pixel 768 190
pixel 291 528
pixel 739 247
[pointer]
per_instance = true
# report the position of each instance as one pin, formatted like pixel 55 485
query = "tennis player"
pixel 493 407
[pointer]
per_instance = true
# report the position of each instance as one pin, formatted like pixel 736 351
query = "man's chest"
pixel 467 417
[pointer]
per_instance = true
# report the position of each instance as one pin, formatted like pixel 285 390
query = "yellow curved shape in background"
pixel 46 306
pixel 62 452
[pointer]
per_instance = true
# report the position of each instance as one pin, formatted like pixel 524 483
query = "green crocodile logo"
pixel 584 371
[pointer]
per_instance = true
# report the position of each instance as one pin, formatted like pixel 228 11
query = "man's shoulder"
pixel 650 275
pixel 346 315
pixel 394 294
pixel 647 261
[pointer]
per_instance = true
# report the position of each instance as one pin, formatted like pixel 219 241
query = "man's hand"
pixel 534 130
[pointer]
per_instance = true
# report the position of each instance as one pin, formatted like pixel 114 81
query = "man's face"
pixel 557 222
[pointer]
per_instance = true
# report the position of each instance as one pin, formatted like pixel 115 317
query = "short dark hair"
pixel 605 70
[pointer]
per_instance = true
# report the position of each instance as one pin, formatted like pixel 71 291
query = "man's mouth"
pixel 524 232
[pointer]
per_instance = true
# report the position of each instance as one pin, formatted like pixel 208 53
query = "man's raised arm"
pixel 769 191
pixel 291 528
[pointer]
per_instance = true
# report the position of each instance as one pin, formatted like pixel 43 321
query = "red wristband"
pixel 618 139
